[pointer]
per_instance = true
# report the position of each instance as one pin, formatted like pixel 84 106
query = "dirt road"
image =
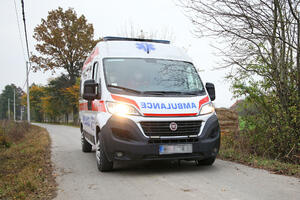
pixel 79 178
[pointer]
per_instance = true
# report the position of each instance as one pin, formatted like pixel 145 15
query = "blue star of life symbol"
pixel 145 47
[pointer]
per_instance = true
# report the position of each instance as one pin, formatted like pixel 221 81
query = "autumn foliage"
pixel 63 42
pixel 53 102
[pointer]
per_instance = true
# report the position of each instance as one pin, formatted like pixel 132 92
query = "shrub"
pixel 11 131
pixel 273 134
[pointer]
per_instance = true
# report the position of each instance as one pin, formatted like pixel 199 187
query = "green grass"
pixel 26 170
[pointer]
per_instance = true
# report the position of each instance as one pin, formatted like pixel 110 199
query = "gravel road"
pixel 79 178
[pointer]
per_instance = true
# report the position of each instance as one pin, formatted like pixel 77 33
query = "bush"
pixel 273 134
pixel 11 131
pixel 3 139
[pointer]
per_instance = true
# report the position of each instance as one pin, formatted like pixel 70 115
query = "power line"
pixel 27 63
pixel 25 29
pixel 20 37
pixel 24 84
pixel 26 38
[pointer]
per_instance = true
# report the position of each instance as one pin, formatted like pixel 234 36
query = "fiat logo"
pixel 173 126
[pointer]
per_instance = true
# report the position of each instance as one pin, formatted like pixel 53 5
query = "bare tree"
pixel 262 39
pixel 134 31
pixel 257 32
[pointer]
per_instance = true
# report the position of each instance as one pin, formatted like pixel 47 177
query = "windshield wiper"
pixel 162 92
pixel 125 89
pixel 194 92
pixel 172 92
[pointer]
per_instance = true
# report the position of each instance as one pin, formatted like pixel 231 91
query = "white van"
pixel 144 100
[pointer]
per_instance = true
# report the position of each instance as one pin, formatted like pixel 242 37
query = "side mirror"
pixel 211 91
pixel 90 90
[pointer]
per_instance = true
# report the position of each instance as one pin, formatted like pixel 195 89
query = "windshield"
pixel 151 76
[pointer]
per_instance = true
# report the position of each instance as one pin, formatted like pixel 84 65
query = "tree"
pixel 55 90
pixel 63 41
pixel 58 98
pixel 36 94
pixel 50 106
pixel 262 45
pixel 8 93
pixel 72 95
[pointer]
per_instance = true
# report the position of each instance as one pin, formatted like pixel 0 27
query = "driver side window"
pixel 96 72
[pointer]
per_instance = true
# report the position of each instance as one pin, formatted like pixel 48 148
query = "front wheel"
pixel 207 161
pixel 85 146
pixel 103 163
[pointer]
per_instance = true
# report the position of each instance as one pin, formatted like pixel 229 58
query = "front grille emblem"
pixel 173 126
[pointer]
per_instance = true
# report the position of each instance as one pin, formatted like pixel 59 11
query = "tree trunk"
pixel 75 115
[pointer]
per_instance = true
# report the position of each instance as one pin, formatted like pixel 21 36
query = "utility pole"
pixel 21 113
pixel 27 63
pixel 15 104
pixel 8 102
pixel 28 103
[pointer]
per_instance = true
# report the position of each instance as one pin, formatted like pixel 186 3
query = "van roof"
pixel 118 47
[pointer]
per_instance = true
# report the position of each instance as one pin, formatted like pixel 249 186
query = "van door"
pixel 87 114
pixel 93 104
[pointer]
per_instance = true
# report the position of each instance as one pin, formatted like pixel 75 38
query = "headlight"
pixel 121 109
pixel 207 109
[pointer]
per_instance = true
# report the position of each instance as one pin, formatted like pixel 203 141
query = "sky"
pixel 109 18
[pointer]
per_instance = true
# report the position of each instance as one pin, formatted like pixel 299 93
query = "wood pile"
pixel 228 120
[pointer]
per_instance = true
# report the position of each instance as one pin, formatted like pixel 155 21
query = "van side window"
pixel 95 72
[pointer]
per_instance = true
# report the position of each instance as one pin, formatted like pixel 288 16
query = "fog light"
pixel 119 154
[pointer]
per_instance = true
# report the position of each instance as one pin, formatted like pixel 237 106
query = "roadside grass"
pixel 274 166
pixel 25 169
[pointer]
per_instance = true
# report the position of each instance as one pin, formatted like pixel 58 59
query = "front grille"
pixel 172 141
pixel 184 128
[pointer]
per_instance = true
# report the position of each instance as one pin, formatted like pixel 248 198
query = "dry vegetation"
pixel 228 120
pixel 25 166
pixel 236 148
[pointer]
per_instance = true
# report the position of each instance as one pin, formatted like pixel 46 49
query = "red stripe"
pixel 98 106
pixel 124 99
pixel 83 106
pixel 203 101
pixel 91 57
pixel 170 115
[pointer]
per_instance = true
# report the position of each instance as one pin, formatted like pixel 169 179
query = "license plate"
pixel 177 148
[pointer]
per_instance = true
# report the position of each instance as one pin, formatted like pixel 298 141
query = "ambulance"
pixel 143 99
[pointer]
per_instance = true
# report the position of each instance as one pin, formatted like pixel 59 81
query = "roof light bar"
pixel 110 38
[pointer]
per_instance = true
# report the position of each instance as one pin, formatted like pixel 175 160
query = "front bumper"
pixel 124 140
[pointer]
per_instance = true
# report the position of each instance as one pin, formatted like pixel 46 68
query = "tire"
pixel 207 161
pixel 85 145
pixel 103 164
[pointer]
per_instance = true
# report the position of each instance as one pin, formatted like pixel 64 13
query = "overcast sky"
pixel 109 17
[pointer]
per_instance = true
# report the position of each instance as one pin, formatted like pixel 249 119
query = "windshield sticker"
pixel 168 106
pixel 114 84
pixel 145 46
